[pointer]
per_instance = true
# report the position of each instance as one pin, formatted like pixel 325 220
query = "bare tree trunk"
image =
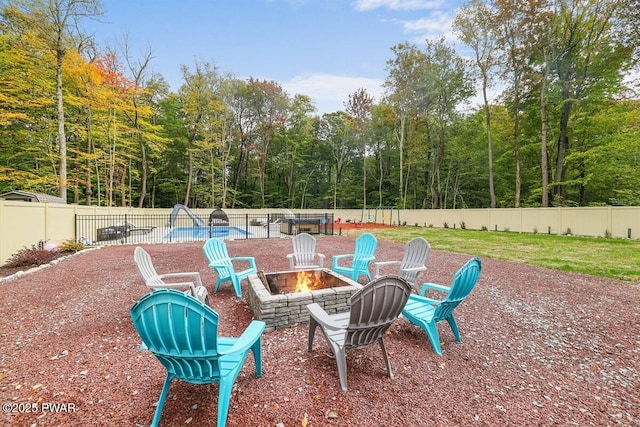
pixel 563 146
pixel 403 122
pixel 487 118
pixel 380 165
pixel 544 151
pixel 62 138
pixel 88 189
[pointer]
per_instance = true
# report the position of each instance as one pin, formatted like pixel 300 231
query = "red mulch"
pixel 540 347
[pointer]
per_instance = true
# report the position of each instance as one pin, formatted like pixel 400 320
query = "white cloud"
pixel 438 24
pixel 367 5
pixel 328 92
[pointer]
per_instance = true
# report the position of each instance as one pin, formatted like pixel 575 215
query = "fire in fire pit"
pixel 280 299
pixel 300 281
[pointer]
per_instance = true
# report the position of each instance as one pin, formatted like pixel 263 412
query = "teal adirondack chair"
pixel 364 253
pixel 182 333
pixel 216 252
pixel 427 313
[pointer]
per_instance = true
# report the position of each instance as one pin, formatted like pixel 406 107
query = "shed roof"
pixel 27 196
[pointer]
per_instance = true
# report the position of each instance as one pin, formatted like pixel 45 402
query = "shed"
pixel 27 196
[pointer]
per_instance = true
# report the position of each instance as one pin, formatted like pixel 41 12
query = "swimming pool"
pixel 204 232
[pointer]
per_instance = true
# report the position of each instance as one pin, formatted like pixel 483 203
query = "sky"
pixel 326 49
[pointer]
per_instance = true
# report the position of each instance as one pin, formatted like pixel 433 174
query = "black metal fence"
pixel 113 229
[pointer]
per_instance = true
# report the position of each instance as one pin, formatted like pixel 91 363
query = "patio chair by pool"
pixel 416 252
pixel 132 228
pixel 427 313
pixel 225 267
pixel 218 218
pixel 364 253
pixel 374 308
pixel 304 256
pixel 182 333
pixel 189 280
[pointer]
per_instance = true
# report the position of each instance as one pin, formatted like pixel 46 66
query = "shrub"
pixel 607 234
pixel 535 230
pixel 445 224
pixel 484 228
pixel 463 225
pixel 32 257
pixel 71 246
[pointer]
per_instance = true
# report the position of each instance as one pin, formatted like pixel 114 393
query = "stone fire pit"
pixel 273 297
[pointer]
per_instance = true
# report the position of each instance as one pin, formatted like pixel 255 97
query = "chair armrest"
pixel 424 299
pixel 247 339
pixel 388 262
pixel 337 258
pixel 292 262
pixel 193 274
pixel 379 264
pixel 320 259
pixel 434 286
pixel 323 319
pixel 251 260
pixel 368 259
pixel 421 268
pixel 174 285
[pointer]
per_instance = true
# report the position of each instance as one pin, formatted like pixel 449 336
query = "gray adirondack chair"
pixel 374 308
pixel 189 282
pixel 304 256
pixel 416 253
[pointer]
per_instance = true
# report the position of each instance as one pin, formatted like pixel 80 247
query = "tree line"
pixel 95 126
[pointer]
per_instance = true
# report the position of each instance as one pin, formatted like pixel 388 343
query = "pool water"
pixel 204 232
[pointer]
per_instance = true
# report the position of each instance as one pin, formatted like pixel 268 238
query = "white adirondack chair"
pixel 190 280
pixel 416 252
pixel 304 256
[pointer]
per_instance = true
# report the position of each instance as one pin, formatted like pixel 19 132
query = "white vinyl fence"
pixel 23 224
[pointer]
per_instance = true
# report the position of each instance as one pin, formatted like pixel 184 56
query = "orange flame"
pixel 307 281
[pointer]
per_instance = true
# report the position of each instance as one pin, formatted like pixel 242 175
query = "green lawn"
pixel 613 258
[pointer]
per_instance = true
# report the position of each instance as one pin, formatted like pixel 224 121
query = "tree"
pixel 27 93
pixel 268 103
pixel 199 105
pixel 138 70
pixel 332 130
pixel 475 25
pixel 56 21
pixel 402 84
pixel 446 84
pixel 587 60
pixel 298 154
pixel 359 107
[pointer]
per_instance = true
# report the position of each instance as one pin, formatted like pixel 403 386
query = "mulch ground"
pixel 540 348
